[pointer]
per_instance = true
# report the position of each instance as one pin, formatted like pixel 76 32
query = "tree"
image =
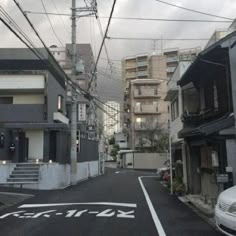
pixel 112 141
pixel 114 150
pixel 154 135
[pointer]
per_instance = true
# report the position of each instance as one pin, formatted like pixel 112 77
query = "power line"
pixel 143 19
pixel 191 10
pixel 75 86
pixel 54 32
pixel 155 39
pixel 169 20
pixel 63 22
pixel 103 41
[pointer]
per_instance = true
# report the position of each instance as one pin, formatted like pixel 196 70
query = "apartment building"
pixel 145 111
pixel 174 55
pixel 111 118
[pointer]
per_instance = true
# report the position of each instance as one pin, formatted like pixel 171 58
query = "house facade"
pixel 33 118
pixel 34 124
pixel 208 92
pixel 174 97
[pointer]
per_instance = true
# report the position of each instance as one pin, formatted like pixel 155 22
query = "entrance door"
pixel 23 147
pixel 53 145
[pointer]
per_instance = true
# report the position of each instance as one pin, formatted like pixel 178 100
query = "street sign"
pixel 82 112
pixel 222 178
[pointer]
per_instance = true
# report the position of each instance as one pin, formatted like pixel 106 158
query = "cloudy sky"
pixel 88 31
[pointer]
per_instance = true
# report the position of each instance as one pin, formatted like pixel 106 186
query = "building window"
pixel 60 103
pixel 174 110
pixel 6 100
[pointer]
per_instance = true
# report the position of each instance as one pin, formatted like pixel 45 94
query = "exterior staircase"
pixel 24 173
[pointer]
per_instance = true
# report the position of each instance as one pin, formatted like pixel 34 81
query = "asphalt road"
pixel 116 204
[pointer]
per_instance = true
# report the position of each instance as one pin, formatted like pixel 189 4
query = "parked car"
pixel 225 212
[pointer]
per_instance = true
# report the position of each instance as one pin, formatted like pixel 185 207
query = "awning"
pixel 208 128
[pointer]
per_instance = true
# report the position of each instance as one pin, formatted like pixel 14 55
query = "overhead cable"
pixel 191 10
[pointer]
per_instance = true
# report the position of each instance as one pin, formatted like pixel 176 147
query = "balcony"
pixel 145 93
pixel 144 126
pixel 142 73
pixel 130 65
pixel 170 69
pixel 197 118
pixel 146 109
pixel 172 59
pixel 130 75
pixel 21 113
pixel 142 63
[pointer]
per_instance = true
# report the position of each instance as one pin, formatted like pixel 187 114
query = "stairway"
pixel 24 173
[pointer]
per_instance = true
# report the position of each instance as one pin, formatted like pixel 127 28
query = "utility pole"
pixel 73 154
pixel 88 11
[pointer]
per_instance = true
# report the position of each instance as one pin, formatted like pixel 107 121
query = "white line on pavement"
pixel 81 203
pixel 155 218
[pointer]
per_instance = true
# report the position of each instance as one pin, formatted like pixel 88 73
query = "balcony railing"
pixel 172 59
pixel 146 109
pixel 146 93
pixel 142 73
pixel 142 63
pixel 170 69
pixel 144 126
pixel 196 118
pixel 21 113
pixel 131 75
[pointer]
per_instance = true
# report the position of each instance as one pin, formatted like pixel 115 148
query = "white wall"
pixel 53 175
pixel 28 99
pixel 36 142
pixel 149 161
pixel 5 171
pixel 21 82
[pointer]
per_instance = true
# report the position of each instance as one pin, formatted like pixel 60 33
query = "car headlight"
pixel 232 208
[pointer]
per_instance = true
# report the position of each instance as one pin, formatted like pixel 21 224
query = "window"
pixel 60 103
pixel 6 100
pixel 174 110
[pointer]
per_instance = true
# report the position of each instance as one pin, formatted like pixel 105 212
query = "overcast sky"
pixel 88 28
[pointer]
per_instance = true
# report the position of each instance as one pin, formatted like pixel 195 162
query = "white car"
pixel 225 212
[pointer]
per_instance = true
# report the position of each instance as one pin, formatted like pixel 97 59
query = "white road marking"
pixel 117 172
pixel 59 214
pixel 123 214
pixel 155 218
pixel 81 203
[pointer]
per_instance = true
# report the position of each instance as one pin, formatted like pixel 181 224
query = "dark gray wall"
pixel 88 151
pixel 63 152
pixel 21 113
pixel 53 90
pixel 4 153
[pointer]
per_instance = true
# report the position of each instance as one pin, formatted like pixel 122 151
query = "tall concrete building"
pixel 111 118
pixel 145 111
pixel 174 55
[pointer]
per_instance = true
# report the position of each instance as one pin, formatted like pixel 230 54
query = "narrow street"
pixel 114 204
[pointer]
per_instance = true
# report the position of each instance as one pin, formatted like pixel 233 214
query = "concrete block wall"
pixel 53 175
